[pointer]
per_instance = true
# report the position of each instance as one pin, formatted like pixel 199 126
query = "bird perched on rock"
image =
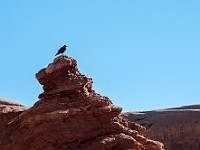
pixel 61 50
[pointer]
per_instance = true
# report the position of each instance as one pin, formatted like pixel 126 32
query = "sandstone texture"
pixel 70 115
pixel 8 111
pixel 177 128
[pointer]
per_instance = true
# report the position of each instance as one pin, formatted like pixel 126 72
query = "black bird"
pixel 61 50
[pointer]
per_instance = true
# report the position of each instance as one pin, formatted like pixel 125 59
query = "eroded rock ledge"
pixel 70 115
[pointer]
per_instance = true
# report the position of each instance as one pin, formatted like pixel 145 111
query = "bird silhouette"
pixel 61 50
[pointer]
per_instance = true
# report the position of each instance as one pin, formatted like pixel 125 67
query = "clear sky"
pixel 142 54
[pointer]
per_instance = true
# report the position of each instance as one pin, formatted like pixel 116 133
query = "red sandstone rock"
pixel 8 111
pixel 71 116
pixel 177 128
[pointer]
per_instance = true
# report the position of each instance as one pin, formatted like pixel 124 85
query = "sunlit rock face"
pixel 70 115
pixel 9 110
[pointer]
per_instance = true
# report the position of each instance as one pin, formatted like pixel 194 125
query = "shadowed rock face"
pixel 72 116
pixel 177 128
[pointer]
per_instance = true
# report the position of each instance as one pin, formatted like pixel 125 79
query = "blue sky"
pixel 143 55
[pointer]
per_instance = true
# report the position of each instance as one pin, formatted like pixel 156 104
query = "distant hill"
pixel 178 128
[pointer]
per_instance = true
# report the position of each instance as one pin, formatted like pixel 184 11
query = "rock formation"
pixel 8 111
pixel 177 128
pixel 70 115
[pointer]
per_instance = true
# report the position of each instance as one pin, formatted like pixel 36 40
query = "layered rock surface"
pixel 8 111
pixel 70 115
pixel 177 128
